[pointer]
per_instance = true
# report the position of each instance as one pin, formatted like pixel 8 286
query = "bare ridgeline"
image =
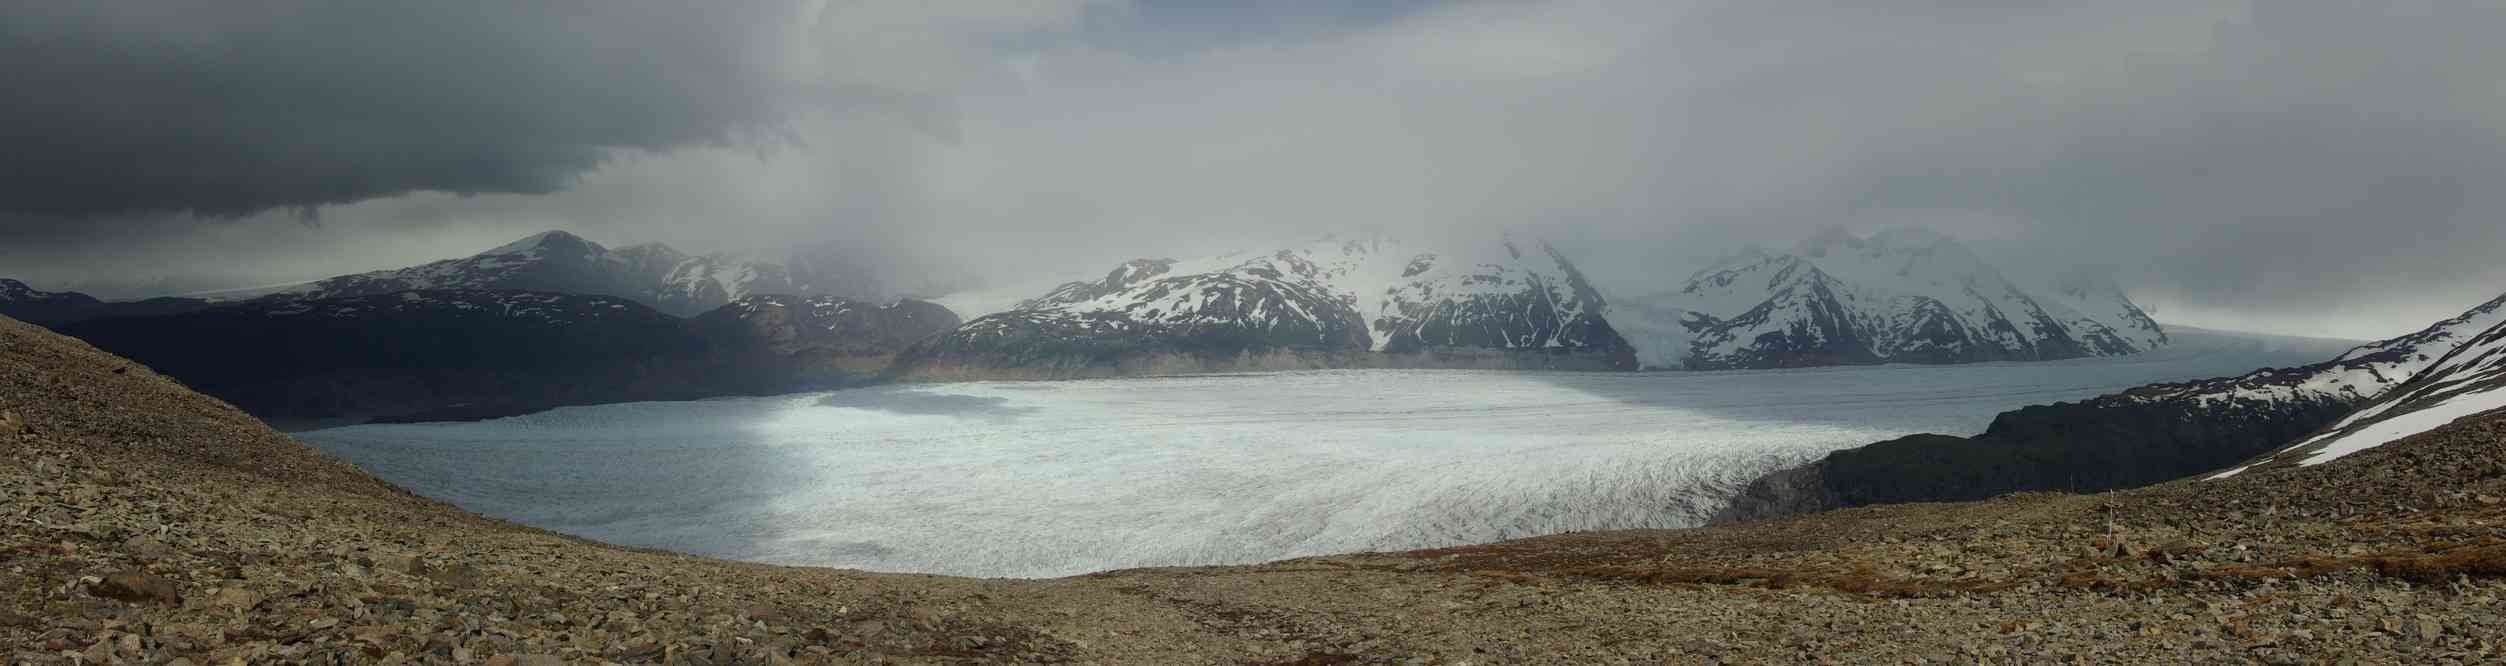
pixel 147 523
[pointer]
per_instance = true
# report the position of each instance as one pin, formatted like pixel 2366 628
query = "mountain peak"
pixel 549 238
pixel 1903 294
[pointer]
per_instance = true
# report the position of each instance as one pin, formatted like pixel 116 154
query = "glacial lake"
pixel 1032 479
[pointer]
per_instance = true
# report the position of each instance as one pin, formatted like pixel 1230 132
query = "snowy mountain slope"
pixel 707 282
pixel 703 283
pixel 2356 376
pixel 2089 302
pixel 2148 434
pixel 2469 380
pixel 43 308
pixel 655 274
pixel 13 291
pixel 1328 297
pixel 650 259
pixel 1902 295
pixel 550 261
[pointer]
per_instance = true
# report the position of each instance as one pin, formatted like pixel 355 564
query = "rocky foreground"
pixel 143 523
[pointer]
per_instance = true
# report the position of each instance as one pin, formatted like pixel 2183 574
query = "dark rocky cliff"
pixel 465 354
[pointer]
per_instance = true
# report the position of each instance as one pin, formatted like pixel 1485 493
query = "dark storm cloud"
pixel 227 108
pixel 2301 166
pixel 2313 167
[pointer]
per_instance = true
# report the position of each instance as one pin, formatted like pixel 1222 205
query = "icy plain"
pixel 1056 478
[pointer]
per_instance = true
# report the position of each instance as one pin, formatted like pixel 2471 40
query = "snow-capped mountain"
pixel 2468 379
pixel 1902 295
pixel 12 291
pixel 553 261
pixel 667 279
pixel 1508 303
pixel 2090 302
pixel 2369 395
pixel 45 308
pixel 2363 373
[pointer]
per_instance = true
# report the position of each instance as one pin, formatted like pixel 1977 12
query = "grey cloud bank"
pixel 2290 166
pixel 224 109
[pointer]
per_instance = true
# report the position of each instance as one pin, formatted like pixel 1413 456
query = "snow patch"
pixel 2393 429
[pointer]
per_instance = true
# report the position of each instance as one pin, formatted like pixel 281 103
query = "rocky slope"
pixel 1366 303
pixel 1905 295
pixel 2464 383
pixel 2145 435
pixel 150 524
pixel 436 354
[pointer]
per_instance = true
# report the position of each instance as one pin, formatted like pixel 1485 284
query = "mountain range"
pixel 437 354
pixel 549 319
pixel 671 281
pixel 239 544
pixel 2463 382
pixel 1331 303
pixel 1903 295
pixel 682 325
pixel 2367 396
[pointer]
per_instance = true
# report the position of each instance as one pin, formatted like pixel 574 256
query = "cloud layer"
pixel 2237 163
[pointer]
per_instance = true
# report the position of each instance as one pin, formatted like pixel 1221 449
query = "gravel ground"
pixel 143 523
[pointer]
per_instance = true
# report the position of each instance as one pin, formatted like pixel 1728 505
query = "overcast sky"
pixel 2287 166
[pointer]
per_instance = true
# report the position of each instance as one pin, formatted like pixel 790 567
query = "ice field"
pixel 1056 478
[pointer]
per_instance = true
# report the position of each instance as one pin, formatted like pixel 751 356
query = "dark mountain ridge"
pixel 653 274
pixel 2141 436
pixel 468 352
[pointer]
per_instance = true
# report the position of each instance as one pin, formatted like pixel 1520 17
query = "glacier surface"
pixel 1057 478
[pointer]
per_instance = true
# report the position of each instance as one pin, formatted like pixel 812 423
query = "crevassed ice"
pixel 1056 478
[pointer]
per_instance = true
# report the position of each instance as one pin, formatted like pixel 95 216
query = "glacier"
pixel 1037 479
